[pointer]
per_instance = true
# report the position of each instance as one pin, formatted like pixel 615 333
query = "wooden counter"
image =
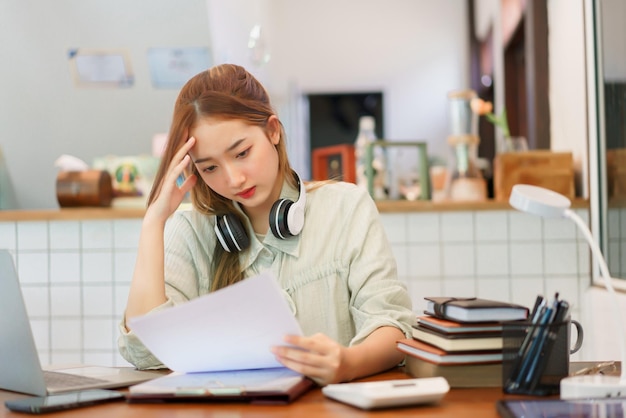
pixel 384 206
pixel 475 402
pixel 69 214
pixel 391 206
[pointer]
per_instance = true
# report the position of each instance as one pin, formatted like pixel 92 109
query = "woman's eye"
pixel 243 153
pixel 209 169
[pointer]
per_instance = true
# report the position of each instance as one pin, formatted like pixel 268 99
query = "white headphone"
pixel 286 220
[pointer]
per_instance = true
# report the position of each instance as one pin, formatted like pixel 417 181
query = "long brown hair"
pixel 227 92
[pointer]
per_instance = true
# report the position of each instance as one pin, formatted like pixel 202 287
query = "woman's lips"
pixel 248 193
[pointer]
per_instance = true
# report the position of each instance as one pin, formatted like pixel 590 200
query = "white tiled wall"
pixel 75 275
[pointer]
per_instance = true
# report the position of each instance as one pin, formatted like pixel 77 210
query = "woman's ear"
pixel 273 129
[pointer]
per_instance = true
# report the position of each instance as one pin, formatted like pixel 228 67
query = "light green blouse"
pixel 339 275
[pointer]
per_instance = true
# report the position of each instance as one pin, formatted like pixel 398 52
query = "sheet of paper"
pixel 230 329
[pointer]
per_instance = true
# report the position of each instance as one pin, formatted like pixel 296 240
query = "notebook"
pixel 474 309
pixel 20 369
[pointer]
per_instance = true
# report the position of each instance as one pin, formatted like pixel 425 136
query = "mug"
pixel 557 364
pixel 579 336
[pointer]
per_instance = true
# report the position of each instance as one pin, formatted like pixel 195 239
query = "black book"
pixel 475 309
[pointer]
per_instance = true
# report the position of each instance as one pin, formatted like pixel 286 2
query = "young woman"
pixel 325 244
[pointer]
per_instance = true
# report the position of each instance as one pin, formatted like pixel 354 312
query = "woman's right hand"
pixel 170 195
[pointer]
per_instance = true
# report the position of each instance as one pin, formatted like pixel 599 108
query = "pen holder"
pixel 536 357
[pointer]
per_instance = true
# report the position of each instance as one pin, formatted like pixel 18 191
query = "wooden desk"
pixel 474 402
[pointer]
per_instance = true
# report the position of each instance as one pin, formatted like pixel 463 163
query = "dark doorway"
pixel 334 117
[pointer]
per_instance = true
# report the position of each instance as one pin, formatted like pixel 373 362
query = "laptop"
pixel 20 369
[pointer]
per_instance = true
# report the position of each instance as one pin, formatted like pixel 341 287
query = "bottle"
pixel 367 135
pixel 465 182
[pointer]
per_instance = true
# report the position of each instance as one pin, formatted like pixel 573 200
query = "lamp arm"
pixel 606 277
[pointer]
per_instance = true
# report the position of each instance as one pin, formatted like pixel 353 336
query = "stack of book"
pixel 460 339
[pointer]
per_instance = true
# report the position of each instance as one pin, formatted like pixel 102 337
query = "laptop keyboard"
pixel 63 380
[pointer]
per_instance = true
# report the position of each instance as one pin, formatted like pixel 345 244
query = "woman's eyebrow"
pixel 230 148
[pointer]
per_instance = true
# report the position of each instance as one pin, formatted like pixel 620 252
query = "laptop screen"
pixel 20 369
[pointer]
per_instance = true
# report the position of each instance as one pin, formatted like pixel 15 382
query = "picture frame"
pixel 171 68
pixel 335 162
pixel 101 67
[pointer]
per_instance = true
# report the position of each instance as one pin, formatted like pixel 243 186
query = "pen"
pixel 542 346
pixel 538 310
pixel 559 316
pixel 531 357
pixel 515 376
pixel 528 362
pixel 539 302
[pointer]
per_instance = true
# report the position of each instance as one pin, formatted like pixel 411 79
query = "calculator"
pixel 389 393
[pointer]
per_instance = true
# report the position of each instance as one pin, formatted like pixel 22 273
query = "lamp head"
pixel 539 201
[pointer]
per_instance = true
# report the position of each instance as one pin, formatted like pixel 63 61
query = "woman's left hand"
pixel 318 357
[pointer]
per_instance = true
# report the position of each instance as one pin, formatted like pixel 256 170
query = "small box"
pixel 552 170
pixel 84 188
pixel 335 162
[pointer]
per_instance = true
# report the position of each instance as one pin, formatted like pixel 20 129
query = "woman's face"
pixel 238 161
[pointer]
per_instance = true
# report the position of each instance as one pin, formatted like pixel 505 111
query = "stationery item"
pixel 598 407
pixel 20 368
pixel 458 341
pixel 233 328
pixel 219 345
pixel 474 309
pixel 457 375
pixel 272 385
pixel 445 326
pixel 539 361
pixel 536 354
pixel 552 362
pixel 438 356
pixel 389 393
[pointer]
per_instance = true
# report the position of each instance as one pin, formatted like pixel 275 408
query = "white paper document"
pixel 230 329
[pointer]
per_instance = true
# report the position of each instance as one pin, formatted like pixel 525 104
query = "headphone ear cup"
pixel 231 233
pixel 278 218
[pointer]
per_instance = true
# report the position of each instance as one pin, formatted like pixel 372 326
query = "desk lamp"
pixel 549 204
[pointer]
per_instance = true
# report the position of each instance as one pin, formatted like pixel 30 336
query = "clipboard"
pixel 259 386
